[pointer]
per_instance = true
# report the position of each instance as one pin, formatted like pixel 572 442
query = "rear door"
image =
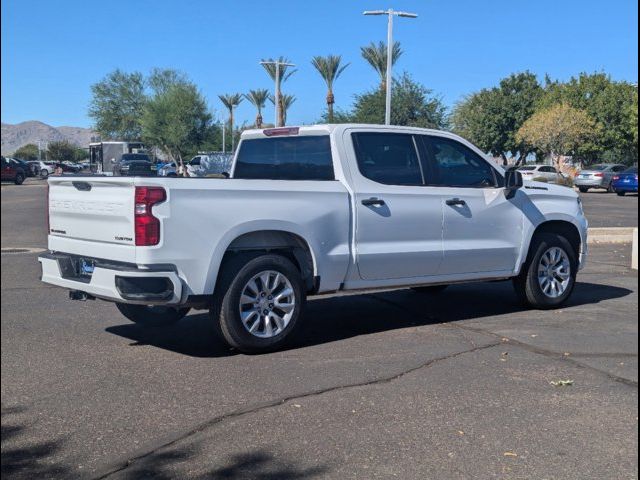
pixel 98 210
pixel 398 220
pixel 482 227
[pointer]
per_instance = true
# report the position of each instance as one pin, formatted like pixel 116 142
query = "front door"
pixel 482 227
pixel 398 228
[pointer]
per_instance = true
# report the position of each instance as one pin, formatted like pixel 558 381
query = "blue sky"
pixel 52 51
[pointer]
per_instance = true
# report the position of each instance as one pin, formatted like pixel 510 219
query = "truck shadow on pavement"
pixel 330 319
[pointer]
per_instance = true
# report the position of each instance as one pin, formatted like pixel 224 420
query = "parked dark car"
pixel 135 164
pixel 28 170
pixel 12 171
pixel 626 182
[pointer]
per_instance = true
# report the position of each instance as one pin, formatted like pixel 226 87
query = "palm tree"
pixel 376 55
pixel 329 69
pixel 285 74
pixel 231 100
pixel 258 98
pixel 285 102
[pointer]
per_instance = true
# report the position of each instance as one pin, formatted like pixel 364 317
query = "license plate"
pixel 86 267
pixel 584 176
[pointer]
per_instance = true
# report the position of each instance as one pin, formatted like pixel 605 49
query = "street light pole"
pixel 389 80
pixel 277 64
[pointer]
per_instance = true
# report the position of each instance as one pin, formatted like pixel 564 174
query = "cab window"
pixel 452 164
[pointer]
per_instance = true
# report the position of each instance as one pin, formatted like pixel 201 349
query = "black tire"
pixel 526 284
pixel 610 188
pixel 19 178
pixel 153 316
pixel 583 189
pixel 620 194
pixel 44 173
pixel 225 310
pixel 430 289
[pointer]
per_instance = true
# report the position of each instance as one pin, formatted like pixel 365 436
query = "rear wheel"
pixel 19 178
pixel 44 173
pixel 152 315
pixel 258 302
pixel 583 189
pixel 620 194
pixel 549 275
pixel 430 289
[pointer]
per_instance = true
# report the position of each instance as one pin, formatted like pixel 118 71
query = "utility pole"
pixel 277 64
pixel 389 80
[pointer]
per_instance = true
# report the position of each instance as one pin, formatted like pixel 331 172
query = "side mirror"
pixel 513 181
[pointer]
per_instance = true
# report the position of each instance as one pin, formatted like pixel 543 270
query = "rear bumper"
pixel 590 182
pixel 625 187
pixel 113 281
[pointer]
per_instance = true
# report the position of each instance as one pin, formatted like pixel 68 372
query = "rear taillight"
pixel 599 175
pixel 616 177
pixel 147 226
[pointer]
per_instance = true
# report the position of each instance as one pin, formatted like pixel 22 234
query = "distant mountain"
pixel 15 136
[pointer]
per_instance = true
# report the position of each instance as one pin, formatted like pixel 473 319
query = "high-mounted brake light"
pixel 276 132
pixel 147 227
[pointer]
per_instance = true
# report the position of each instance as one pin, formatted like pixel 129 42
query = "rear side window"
pixel 455 165
pixel 388 158
pixel 285 158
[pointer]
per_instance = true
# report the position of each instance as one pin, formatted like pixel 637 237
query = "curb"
pixel 611 235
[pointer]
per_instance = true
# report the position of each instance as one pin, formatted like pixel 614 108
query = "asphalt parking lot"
pixel 385 385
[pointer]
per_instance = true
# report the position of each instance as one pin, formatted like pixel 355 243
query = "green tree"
pixel 412 105
pixel 80 154
pixel 116 105
pixel 610 104
pixel 558 130
pixel 27 152
pixel 176 120
pixel 329 69
pixel 376 56
pixel 258 99
pixel 491 118
pixel 285 74
pixel 286 101
pixel 62 151
pixel 161 79
pixel 231 101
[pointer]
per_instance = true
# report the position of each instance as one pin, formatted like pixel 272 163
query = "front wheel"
pixel 152 315
pixel 19 178
pixel 258 302
pixel 549 275
pixel 44 173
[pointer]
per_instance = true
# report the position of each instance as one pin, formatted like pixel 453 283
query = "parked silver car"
pixel 598 176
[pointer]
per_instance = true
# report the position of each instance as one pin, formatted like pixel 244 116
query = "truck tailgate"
pixel 94 209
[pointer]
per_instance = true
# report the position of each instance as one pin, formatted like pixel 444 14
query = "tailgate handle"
pixel 83 186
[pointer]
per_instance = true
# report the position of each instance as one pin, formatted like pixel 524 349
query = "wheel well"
pixel 566 229
pixel 287 244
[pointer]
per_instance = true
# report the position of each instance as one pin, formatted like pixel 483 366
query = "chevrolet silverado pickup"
pixel 310 210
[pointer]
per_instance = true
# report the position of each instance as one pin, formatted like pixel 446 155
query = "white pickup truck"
pixel 305 211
